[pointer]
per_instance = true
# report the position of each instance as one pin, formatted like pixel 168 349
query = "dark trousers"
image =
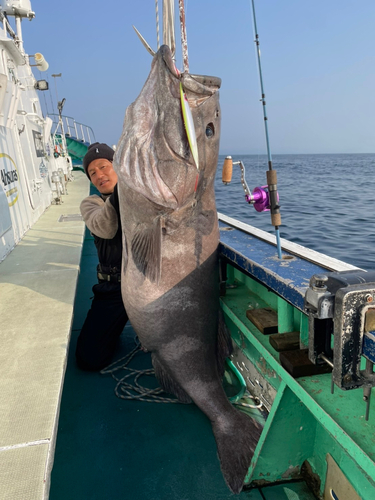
pixel 103 326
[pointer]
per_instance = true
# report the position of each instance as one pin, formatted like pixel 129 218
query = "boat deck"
pixel 111 448
pixel 37 289
pixel 107 448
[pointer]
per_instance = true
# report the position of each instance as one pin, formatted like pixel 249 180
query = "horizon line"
pixel 287 154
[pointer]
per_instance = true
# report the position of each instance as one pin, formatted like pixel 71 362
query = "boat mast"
pixel 19 10
pixel 19 33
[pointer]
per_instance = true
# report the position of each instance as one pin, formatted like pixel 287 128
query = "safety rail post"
pixel 67 125
pixel 83 135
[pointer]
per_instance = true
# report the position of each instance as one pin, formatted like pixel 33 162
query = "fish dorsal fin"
pixel 146 249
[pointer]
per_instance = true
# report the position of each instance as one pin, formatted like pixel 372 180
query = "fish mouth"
pixel 201 84
pixel 197 84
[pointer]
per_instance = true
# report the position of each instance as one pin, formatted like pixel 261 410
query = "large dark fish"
pixel 170 281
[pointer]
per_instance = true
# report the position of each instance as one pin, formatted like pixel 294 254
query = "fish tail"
pixel 236 442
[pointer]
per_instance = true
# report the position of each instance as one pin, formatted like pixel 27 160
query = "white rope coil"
pixel 129 387
pixel 135 390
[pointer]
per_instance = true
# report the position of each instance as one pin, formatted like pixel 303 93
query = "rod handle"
pixel 274 204
pixel 227 170
pixel 271 177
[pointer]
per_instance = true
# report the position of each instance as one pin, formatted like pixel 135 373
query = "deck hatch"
pixel 70 218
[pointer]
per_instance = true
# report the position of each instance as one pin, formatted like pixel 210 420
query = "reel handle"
pixel 227 170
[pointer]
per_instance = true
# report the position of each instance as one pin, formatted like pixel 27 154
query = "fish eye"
pixel 210 130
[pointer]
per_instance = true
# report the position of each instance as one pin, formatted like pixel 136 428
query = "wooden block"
pixel 298 364
pixel 285 341
pixel 370 320
pixel 264 319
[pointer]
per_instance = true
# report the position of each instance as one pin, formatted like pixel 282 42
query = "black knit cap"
pixel 96 151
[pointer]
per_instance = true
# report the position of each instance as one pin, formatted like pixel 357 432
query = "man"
pixel 107 316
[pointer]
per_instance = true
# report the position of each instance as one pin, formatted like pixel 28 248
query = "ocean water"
pixel 327 201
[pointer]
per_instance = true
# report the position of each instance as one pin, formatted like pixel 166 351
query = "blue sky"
pixel 317 57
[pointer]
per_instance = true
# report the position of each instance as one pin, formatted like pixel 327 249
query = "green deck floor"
pixel 109 448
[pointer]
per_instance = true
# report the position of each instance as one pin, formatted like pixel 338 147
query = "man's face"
pixel 102 175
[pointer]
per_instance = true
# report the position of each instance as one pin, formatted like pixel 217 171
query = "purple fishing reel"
pixel 259 197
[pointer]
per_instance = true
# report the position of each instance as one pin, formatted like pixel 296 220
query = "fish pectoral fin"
pixel 168 383
pixel 146 249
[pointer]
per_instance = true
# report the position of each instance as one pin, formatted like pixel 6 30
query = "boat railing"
pixel 70 128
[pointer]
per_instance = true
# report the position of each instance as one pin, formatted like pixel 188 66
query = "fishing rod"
pixel 264 198
pixel 271 173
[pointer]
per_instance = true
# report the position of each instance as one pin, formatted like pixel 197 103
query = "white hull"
pixel 26 148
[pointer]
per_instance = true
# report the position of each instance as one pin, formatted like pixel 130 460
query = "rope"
pixel 138 392
pixel 135 390
pixel 157 23
pixel 168 25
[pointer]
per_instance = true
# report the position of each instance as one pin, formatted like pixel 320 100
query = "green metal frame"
pixel 306 421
